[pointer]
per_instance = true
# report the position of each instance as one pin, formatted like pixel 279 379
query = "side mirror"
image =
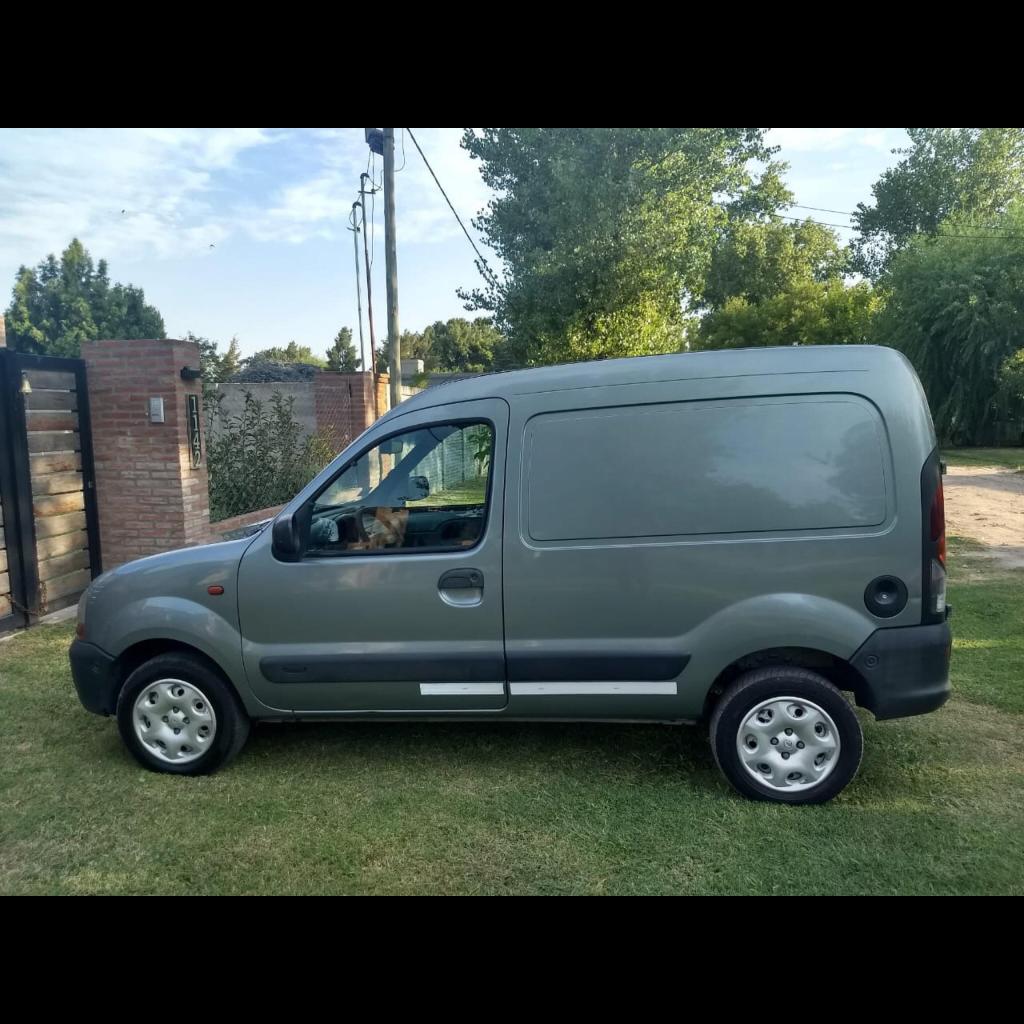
pixel 286 538
pixel 419 488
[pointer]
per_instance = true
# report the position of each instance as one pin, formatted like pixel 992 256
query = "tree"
pixel 955 306
pixel 231 361
pixel 342 356
pixel 460 345
pixel 457 345
pixel 757 260
pixel 944 172
pixel 216 367
pixel 1011 378
pixel 290 353
pixel 602 231
pixel 807 313
pixel 58 305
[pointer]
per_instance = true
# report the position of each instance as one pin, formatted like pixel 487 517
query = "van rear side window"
pixel 736 466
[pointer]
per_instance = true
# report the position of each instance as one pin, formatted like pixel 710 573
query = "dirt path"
pixel 986 503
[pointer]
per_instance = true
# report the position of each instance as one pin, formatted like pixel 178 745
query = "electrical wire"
pixel 854 227
pixel 482 265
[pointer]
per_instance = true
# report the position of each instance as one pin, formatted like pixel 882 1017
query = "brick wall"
pixel 149 497
pixel 344 405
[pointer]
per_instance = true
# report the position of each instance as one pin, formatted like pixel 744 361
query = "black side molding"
pixel 453 668
pixel 586 667
pixel 393 668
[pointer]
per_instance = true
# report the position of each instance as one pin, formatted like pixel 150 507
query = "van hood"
pixel 204 557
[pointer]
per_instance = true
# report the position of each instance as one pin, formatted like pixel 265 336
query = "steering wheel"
pixel 362 534
pixel 371 529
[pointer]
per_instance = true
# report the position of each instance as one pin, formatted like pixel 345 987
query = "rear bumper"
pixel 904 671
pixel 96 678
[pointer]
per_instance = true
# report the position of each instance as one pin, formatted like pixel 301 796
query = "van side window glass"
pixel 789 463
pixel 423 490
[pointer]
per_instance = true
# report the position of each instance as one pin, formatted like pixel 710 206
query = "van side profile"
pixel 739 538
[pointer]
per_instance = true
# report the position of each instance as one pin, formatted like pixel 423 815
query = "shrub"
pixel 259 457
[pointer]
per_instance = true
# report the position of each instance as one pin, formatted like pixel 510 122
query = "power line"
pixel 822 223
pixel 482 265
pixel 821 209
pixel 854 227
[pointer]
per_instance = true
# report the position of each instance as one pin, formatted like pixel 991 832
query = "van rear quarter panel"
pixel 716 517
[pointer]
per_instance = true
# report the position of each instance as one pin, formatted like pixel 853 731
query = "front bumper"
pixel 905 671
pixel 96 678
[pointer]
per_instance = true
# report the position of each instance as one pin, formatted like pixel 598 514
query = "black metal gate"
pixel 49 536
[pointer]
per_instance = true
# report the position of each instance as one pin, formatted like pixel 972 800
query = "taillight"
pixel 933 542
pixel 938 524
pixel 937 589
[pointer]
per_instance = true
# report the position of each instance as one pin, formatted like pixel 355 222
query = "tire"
pixel 756 712
pixel 177 691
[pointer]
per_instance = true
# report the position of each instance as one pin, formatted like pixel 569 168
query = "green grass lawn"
pixel 469 492
pixel 374 808
pixel 1008 458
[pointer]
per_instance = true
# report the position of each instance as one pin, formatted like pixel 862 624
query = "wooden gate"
pixel 49 538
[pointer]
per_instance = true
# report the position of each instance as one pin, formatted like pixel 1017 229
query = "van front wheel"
pixel 787 735
pixel 177 715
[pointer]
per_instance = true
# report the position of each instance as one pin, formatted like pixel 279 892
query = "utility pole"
pixel 359 287
pixel 369 293
pixel 391 257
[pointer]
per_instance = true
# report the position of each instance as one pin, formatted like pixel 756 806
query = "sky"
pixel 244 231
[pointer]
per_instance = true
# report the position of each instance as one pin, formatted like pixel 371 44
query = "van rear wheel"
pixel 177 715
pixel 786 735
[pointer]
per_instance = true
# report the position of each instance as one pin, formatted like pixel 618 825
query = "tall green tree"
pixel 944 172
pixel 955 306
pixel 460 345
pixel 601 232
pixel 757 260
pixel 293 352
pixel 808 312
pixel 231 361
pixel 61 303
pixel 216 367
pixel 455 345
pixel 1011 379
pixel 342 355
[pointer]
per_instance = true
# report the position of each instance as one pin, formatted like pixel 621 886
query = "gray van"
pixel 736 538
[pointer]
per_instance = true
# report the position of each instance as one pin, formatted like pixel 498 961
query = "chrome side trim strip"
pixel 593 689
pixel 461 689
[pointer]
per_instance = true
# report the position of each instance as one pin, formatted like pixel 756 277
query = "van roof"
pixel 743 362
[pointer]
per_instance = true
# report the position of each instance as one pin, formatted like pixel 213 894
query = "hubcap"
pixel 788 743
pixel 174 721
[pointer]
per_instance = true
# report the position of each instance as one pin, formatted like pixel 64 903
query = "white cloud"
pixel 141 193
pixel 126 192
pixel 320 204
pixel 811 140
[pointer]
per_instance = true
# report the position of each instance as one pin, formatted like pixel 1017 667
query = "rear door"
pixel 396 605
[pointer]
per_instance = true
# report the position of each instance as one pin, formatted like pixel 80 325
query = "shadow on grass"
pixel 583 748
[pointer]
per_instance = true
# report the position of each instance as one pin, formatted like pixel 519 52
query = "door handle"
pixel 461 579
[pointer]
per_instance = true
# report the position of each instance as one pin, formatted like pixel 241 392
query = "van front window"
pixel 425 490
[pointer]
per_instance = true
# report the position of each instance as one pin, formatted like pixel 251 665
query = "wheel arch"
pixel 836 670
pixel 142 651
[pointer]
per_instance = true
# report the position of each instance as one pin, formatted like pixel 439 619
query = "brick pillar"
pixel 344 405
pixel 383 392
pixel 149 497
